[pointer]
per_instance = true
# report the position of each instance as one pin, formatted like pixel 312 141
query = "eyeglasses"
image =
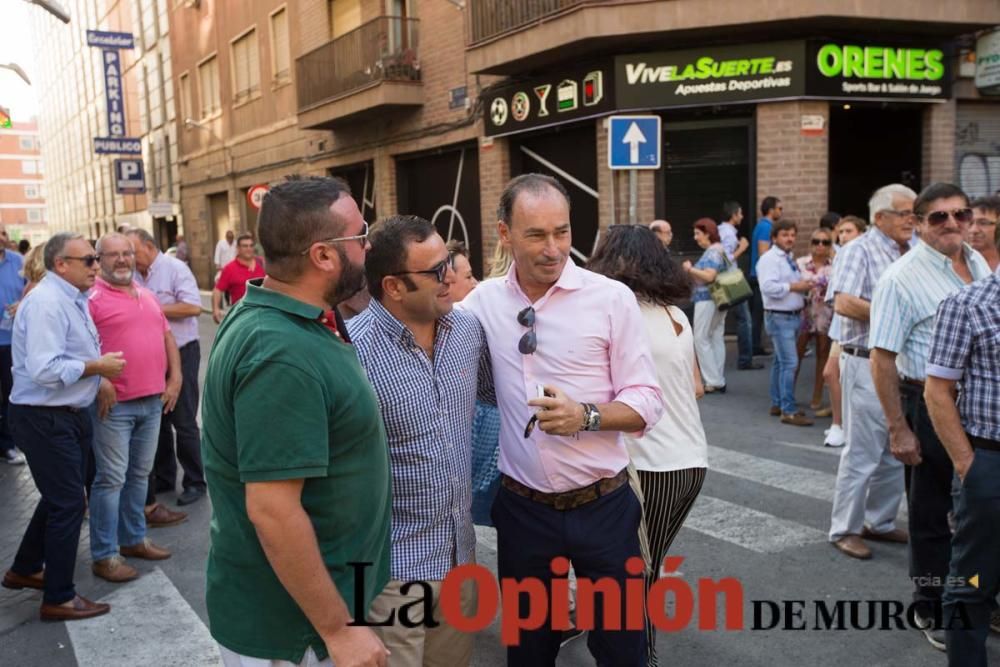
pixel 901 214
pixel 89 260
pixel 529 341
pixel 362 238
pixel 128 254
pixel 984 222
pixel 821 242
pixel 439 270
pixel 960 215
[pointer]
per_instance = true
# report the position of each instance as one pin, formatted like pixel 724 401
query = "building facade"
pixel 22 187
pixel 85 94
pixel 430 106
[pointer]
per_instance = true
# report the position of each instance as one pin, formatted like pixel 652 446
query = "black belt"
pixel 984 443
pixel 60 408
pixel 919 384
pixel 785 312
pixel 855 351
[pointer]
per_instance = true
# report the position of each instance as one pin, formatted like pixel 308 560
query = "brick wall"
pixel 494 172
pixel 792 166
pixel 939 143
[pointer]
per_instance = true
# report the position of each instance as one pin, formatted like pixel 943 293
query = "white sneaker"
pixel 13 457
pixel 835 437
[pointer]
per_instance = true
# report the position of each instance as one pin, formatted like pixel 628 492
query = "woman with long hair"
pixel 849 228
pixel 671 459
pixel 818 314
pixel 709 321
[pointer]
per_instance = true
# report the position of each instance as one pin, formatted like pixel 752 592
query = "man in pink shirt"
pixel 234 276
pixel 127 424
pixel 564 490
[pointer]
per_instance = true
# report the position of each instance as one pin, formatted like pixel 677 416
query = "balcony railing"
pixel 384 49
pixel 490 18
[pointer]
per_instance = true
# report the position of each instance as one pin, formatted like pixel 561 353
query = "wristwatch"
pixel 591 418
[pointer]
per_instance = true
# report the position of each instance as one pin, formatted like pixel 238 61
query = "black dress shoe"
pixel 752 366
pixel 191 495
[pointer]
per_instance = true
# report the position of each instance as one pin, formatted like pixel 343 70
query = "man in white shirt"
pixel 735 246
pixel 225 252
pixel 782 289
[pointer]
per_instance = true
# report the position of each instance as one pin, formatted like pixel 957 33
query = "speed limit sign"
pixel 255 195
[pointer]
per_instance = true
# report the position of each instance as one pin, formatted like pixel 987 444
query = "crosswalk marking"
pixel 819 449
pixel 748 528
pixel 150 623
pixel 794 479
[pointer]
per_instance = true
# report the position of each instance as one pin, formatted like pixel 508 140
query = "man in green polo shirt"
pixel 294 448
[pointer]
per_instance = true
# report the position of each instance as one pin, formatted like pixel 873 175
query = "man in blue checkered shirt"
pixel 427 363
pixel 963 398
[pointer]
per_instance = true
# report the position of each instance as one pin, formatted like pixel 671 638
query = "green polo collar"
pixel 261 296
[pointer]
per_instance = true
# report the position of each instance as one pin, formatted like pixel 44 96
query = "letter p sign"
pixel 130 178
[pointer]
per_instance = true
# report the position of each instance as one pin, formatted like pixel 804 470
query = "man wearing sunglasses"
pixel 984 232
pixel 564 489
pixel 427 363
pixel 57 369
pixel 902 314
pixel 294 448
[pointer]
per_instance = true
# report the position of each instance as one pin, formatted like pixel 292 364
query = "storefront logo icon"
pixel 593 88
pixel 520 106
pixel 542 93
pixel 498 111
pixel 567 95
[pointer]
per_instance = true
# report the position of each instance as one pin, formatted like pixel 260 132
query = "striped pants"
pixel 668 498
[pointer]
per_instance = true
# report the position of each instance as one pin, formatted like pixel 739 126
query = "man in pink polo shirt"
pixel 564 489
pixel 234 276
pixel 127 425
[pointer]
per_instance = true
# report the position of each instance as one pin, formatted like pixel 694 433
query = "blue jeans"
pixel 783 330
pixel 124 448
pixel 975 549
pixel 744 334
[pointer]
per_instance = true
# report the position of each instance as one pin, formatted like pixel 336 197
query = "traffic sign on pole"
pixel 255 195
pixel 634 142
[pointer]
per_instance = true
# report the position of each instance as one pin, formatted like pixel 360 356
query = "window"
pixel 31 192
pixel 246 67
pixel 345 16
pixel 29 166
pixel 208 83
pixel 26 143
pixel 185 86
pixel 279 44
pixel 35 215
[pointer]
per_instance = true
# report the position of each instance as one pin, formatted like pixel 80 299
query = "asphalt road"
pixel 761 518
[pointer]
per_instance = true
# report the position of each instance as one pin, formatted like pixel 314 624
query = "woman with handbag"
pixel 709 321
pixel 671 459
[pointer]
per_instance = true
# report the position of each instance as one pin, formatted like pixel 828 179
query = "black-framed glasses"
pixel 960 215
pixel 361 238
pixel 439 270
pixel 826 242
pixel 529 341
pixel 89 260
pixel 984 222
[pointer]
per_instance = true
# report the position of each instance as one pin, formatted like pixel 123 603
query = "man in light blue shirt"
pixel 760 241
pixel 782 289
pixel 177 291
pixel 11 288
pixel 57 370
pixel 903 307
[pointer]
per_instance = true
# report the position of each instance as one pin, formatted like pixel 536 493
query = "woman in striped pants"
pixel 672 457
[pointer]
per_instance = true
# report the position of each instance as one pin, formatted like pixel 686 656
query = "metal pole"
pixel 633 197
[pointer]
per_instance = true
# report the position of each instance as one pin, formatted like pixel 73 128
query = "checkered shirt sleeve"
pixel 851 274
pixel 951 346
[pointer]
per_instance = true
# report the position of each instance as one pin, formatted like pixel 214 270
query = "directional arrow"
pixel 633 137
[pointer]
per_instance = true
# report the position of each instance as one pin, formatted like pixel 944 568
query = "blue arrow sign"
pixel 634 142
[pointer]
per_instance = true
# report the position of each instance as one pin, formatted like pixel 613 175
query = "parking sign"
pixel 130 177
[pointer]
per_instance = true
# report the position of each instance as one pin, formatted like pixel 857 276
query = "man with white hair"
pixel 663 231
pixel 869 479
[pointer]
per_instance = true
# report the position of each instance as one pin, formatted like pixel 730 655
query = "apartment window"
pixel 26 143
pixel 279 44
pixel 31 192
pixel 35 215
pixel 29 166
pixel 208 84
pixel 185 86
pixel 345 16
pixel 246 67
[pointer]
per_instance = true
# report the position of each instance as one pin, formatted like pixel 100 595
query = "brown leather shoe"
pixel 775 411
pixel 798 419
pixel 896 535
pixel 74 610
pixel 853 546
pixel 146 550
pixel 159 516
pixel 114 569
pixel 16 582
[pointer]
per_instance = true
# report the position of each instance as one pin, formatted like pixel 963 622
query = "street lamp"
pixel 16 69
pixel 53 8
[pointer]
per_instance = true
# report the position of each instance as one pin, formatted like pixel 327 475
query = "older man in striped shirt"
pixel 903 308
pixel 426 362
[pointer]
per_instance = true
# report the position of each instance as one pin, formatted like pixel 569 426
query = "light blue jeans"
pixel 124 449
pixel 783 330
